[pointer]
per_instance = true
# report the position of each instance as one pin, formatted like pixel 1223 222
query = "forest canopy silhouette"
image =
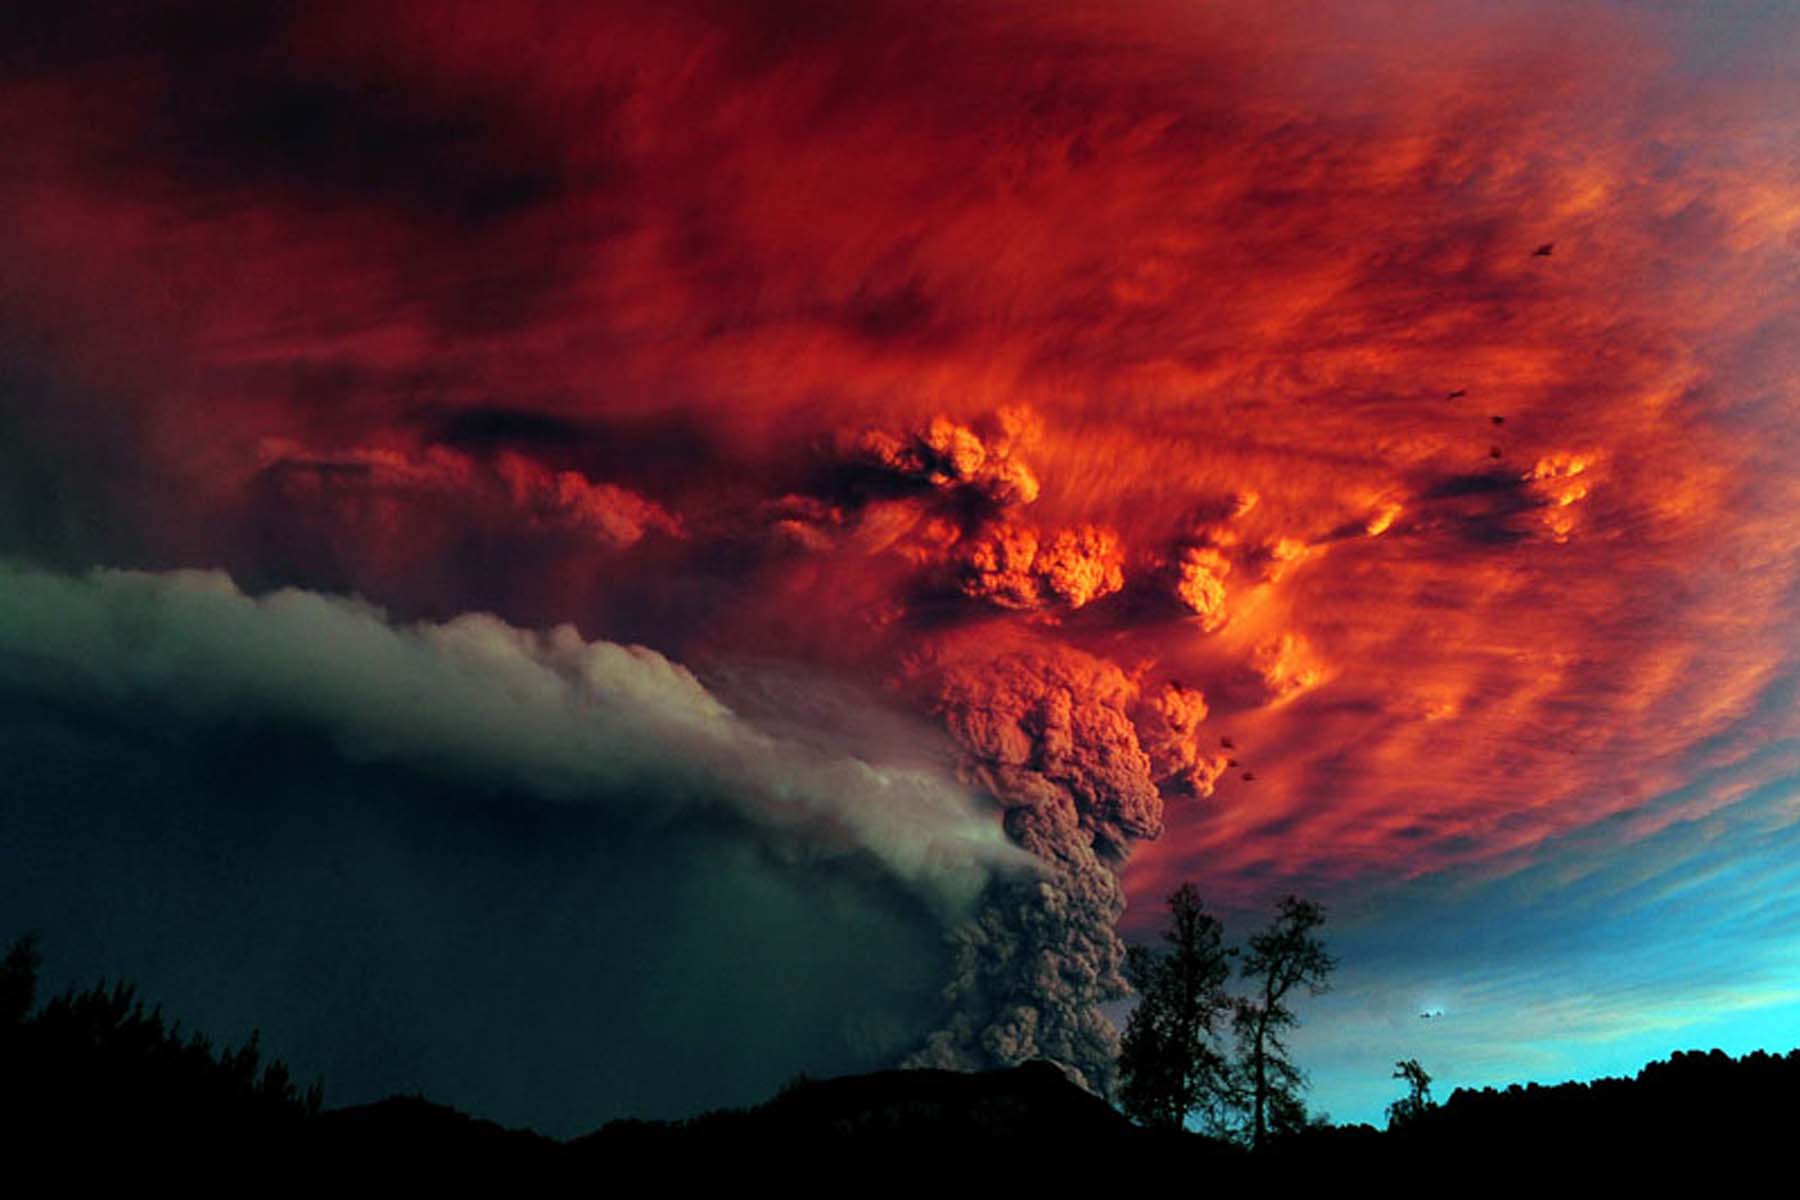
pixel 97 1069
pixel 98 1060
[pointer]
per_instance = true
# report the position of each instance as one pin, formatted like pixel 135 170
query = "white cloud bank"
pixel 478 700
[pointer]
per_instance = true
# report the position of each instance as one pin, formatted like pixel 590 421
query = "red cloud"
pixel 915 331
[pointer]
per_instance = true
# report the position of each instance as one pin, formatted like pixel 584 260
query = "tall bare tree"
pixel 1283 957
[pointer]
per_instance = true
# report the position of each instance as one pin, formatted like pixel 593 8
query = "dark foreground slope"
pixel 906 1119
pixel 1032 1110
pixel 95 1078
pixel 1693 1108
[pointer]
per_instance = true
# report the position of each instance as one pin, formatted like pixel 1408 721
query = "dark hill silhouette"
pixel 1033 1100
pixel 1024 1123
pixel 1032 1103
pixel 411 1128
pixel 95 1073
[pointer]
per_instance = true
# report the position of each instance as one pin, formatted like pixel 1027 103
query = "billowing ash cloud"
pixel 1014 566
pixel 1054 735
pixel 475 699
pixel 950 456
pixel 1200 584
pixel 1168 725
pixel 1051 731
pixel 535 497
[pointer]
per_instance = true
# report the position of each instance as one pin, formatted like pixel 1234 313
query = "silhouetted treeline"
pixel 1698 1107
pixel 1692 1099
pixel 99 1064
pixel 97 1072
pixel 1693 1106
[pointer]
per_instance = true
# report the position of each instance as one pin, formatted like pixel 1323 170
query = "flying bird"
pixel 1544 250
pixel 1498 420
pixel 1227 744
pixel 1493 452
pixel 1249 776
pixel 1458 394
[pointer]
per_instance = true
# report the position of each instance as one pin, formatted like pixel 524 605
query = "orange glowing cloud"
pixel 1165 375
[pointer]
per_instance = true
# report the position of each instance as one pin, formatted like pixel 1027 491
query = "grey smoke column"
pixel 1050 734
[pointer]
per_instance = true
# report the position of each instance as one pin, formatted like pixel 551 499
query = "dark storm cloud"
pixel 43 35
pixel 364 141
pixel 476 701
pixel 655 450
pixel 551 880
pixel 389 931
pixel 489 426
pixel 1482 508
pixel 235 103
pixel 68 475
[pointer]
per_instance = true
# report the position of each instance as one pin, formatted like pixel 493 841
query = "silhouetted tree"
pixel 1417 1101
pixel 99 1061
pixel 1169 1066
pixel 18 980
pixel 1286 955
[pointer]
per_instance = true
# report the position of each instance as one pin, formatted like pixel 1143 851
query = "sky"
pixel 586 559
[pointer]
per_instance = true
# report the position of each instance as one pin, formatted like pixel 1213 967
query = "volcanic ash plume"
pixel 548 714
pixel 1054 735
pixel 532 497
pixel 947 456
pixel 1012 566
